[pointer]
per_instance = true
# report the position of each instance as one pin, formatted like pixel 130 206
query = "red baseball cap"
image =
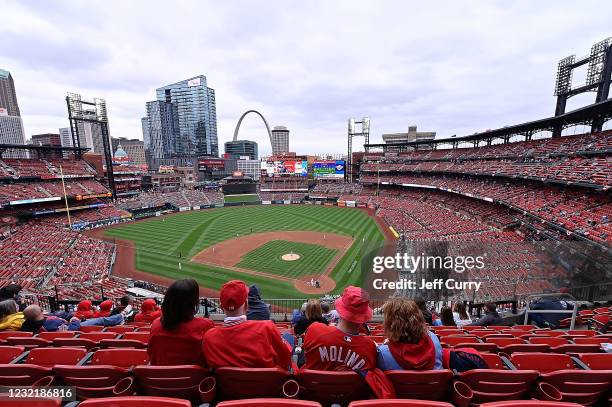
pixel 354 306
pixel 233 294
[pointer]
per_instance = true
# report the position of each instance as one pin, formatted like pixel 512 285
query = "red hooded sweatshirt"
pixel 105 309
pixel 414 356
pixel 84 310
pixel 148 311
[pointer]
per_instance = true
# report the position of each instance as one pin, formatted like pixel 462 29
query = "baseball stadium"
pixel 200 281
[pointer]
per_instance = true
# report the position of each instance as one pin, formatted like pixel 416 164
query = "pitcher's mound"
pixel 290 257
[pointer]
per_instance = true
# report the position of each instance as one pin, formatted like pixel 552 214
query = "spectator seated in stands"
pixel 423 306
pixel 12 291
pixel 331 317
pixel 149 311
pixel 105 309
pixel 243 343
pixel 340 347
pixel 411 345
pixel 176 337
pixel 257 310
pixel 460 315
pixel 112 320
pixel 312 314
pixel 36 321
pixel 549 304
pixel 10 318
pixel 125 307
pixel 491 316
pixel 84 310
pixel 446 317
pixel 298 314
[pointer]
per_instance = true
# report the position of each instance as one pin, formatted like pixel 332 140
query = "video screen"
pixel 329 169
pixel 296 168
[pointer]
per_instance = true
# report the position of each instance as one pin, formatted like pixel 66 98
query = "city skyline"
pixel 314 76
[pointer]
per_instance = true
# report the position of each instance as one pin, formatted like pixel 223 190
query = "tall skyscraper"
pixel 196 116
pixel 241 148
pixel 160 133
pixel 11 125
pixel 8 96
pixel 280 140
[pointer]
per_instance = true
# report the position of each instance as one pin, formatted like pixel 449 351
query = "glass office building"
pixel 196 116
pixel 241 148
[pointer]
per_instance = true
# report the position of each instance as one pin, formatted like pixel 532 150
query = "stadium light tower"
pixel 353 132
pixel 599 71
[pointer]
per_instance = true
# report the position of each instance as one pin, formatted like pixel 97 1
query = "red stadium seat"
pixel 525 347
pixel 31 402
pixel 422 385
pixel 264 402
pixel 457 340
pixel 493 361
pixel 138 336
pixel 120 329
pixel 9 353
pixel 240 383
pixel 171 381
pixel 498 384
pixel 91 328
pixel 530 403
pixel 547 340
pixel 578 386
pixel 13 334
pixel 50 336
pixel 399 403
pixel 505 341
pixel 595 340
pixel 122 343
pixel 75 343
pixel 597 361
pixel 49 357
pixel 136 401
pixel 107 368
pixel 28 342
pixel 482 347
pixel 332 387
pixel 98 336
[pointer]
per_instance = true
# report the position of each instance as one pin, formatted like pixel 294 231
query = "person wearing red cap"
pixel 105 309
pixel 340 347
pixel 242 343
pixel 176 337
pixel 149 311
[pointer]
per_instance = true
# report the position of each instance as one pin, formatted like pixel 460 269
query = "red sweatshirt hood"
pixel 414 356
pixel 148 305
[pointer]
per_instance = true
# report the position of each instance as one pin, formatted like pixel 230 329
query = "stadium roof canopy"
pixel 584 115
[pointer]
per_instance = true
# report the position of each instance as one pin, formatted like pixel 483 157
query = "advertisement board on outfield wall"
pixel 328 169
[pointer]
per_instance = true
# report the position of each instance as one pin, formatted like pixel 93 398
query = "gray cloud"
pixel 453 67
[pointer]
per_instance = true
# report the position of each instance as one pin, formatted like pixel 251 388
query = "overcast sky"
pixel 454 67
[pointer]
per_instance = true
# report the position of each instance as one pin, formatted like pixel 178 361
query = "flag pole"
pixel 65 197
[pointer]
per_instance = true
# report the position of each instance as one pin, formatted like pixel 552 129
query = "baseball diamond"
pixel 247 242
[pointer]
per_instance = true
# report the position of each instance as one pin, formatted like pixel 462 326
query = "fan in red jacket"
pixel 105 309
pixel 84 310
pixel 149 311
pixel 340 347
pixel 242 343
pixel 176 337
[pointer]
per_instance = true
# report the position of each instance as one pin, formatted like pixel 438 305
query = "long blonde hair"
pixel 404 321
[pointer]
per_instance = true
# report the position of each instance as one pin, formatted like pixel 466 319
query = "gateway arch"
pixel 262 118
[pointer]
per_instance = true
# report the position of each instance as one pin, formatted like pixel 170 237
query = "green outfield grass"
pixel 313 258
pixel 241 198
pixel 164 243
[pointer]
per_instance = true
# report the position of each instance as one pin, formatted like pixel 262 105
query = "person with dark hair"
pixel 460 315
pixel 446 317
pixel 258 310
pixel 242 343
pixel 330 316
pixel 491 317
pixel 11 292
pixel 411 345
pixel 176 337
pixel 420 302
pixel 11 318
pixel 125 307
